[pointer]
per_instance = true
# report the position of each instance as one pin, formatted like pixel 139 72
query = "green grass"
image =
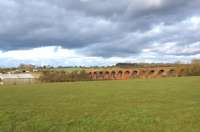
pixel 150 105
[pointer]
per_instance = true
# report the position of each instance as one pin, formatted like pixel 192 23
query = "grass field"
pixel 150 105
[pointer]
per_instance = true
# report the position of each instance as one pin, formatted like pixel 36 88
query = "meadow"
pixel 149 105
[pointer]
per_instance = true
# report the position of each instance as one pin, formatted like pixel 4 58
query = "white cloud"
pixel 52 52
pixel 57 56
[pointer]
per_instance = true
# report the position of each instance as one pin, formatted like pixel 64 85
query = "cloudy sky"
pixel 98 32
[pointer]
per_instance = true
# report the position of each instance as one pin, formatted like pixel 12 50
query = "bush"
pixel 193 70
pixel 62 76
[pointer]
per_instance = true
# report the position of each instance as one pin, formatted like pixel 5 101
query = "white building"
pixel 6 79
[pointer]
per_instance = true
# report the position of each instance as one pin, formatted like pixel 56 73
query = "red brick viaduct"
pixel 131 73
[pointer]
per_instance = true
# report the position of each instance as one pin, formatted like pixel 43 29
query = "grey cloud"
pixel 96 27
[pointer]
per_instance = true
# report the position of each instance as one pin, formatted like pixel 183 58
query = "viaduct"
pixel 131 73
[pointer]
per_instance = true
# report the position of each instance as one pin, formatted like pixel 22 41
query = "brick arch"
pixel 142 73
pixel 171 72
pixel 100 75
pixel 113 75
pixel 126 74
pixel 107 75
pixel 95 76
pixel 151 73
pixel 119 74
pixel 134 73
pixel 161 72
pixel 90 75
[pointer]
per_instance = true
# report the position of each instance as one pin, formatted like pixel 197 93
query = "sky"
pixel 98 32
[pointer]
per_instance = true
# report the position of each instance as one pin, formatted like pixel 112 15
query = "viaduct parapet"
pixel 131 73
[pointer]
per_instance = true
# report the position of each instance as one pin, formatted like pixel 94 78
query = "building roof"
pixel 16 76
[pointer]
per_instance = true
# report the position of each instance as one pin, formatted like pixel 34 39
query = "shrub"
pixel 192 70
pixel 62 76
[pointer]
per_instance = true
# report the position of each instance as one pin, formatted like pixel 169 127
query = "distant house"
pixel 6 79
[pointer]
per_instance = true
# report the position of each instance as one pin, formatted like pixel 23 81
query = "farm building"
pixel 6 79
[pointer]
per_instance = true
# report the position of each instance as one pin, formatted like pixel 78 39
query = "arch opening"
pixel 143 73
pixel 172 72
pixel 151 72
pixel 126 75
pixel 107 75
pixel 119 75
pixel 134 74
pixel 90 75
pixel 100 76
pixel 94 75
pixel 161 72
pixel 113 75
